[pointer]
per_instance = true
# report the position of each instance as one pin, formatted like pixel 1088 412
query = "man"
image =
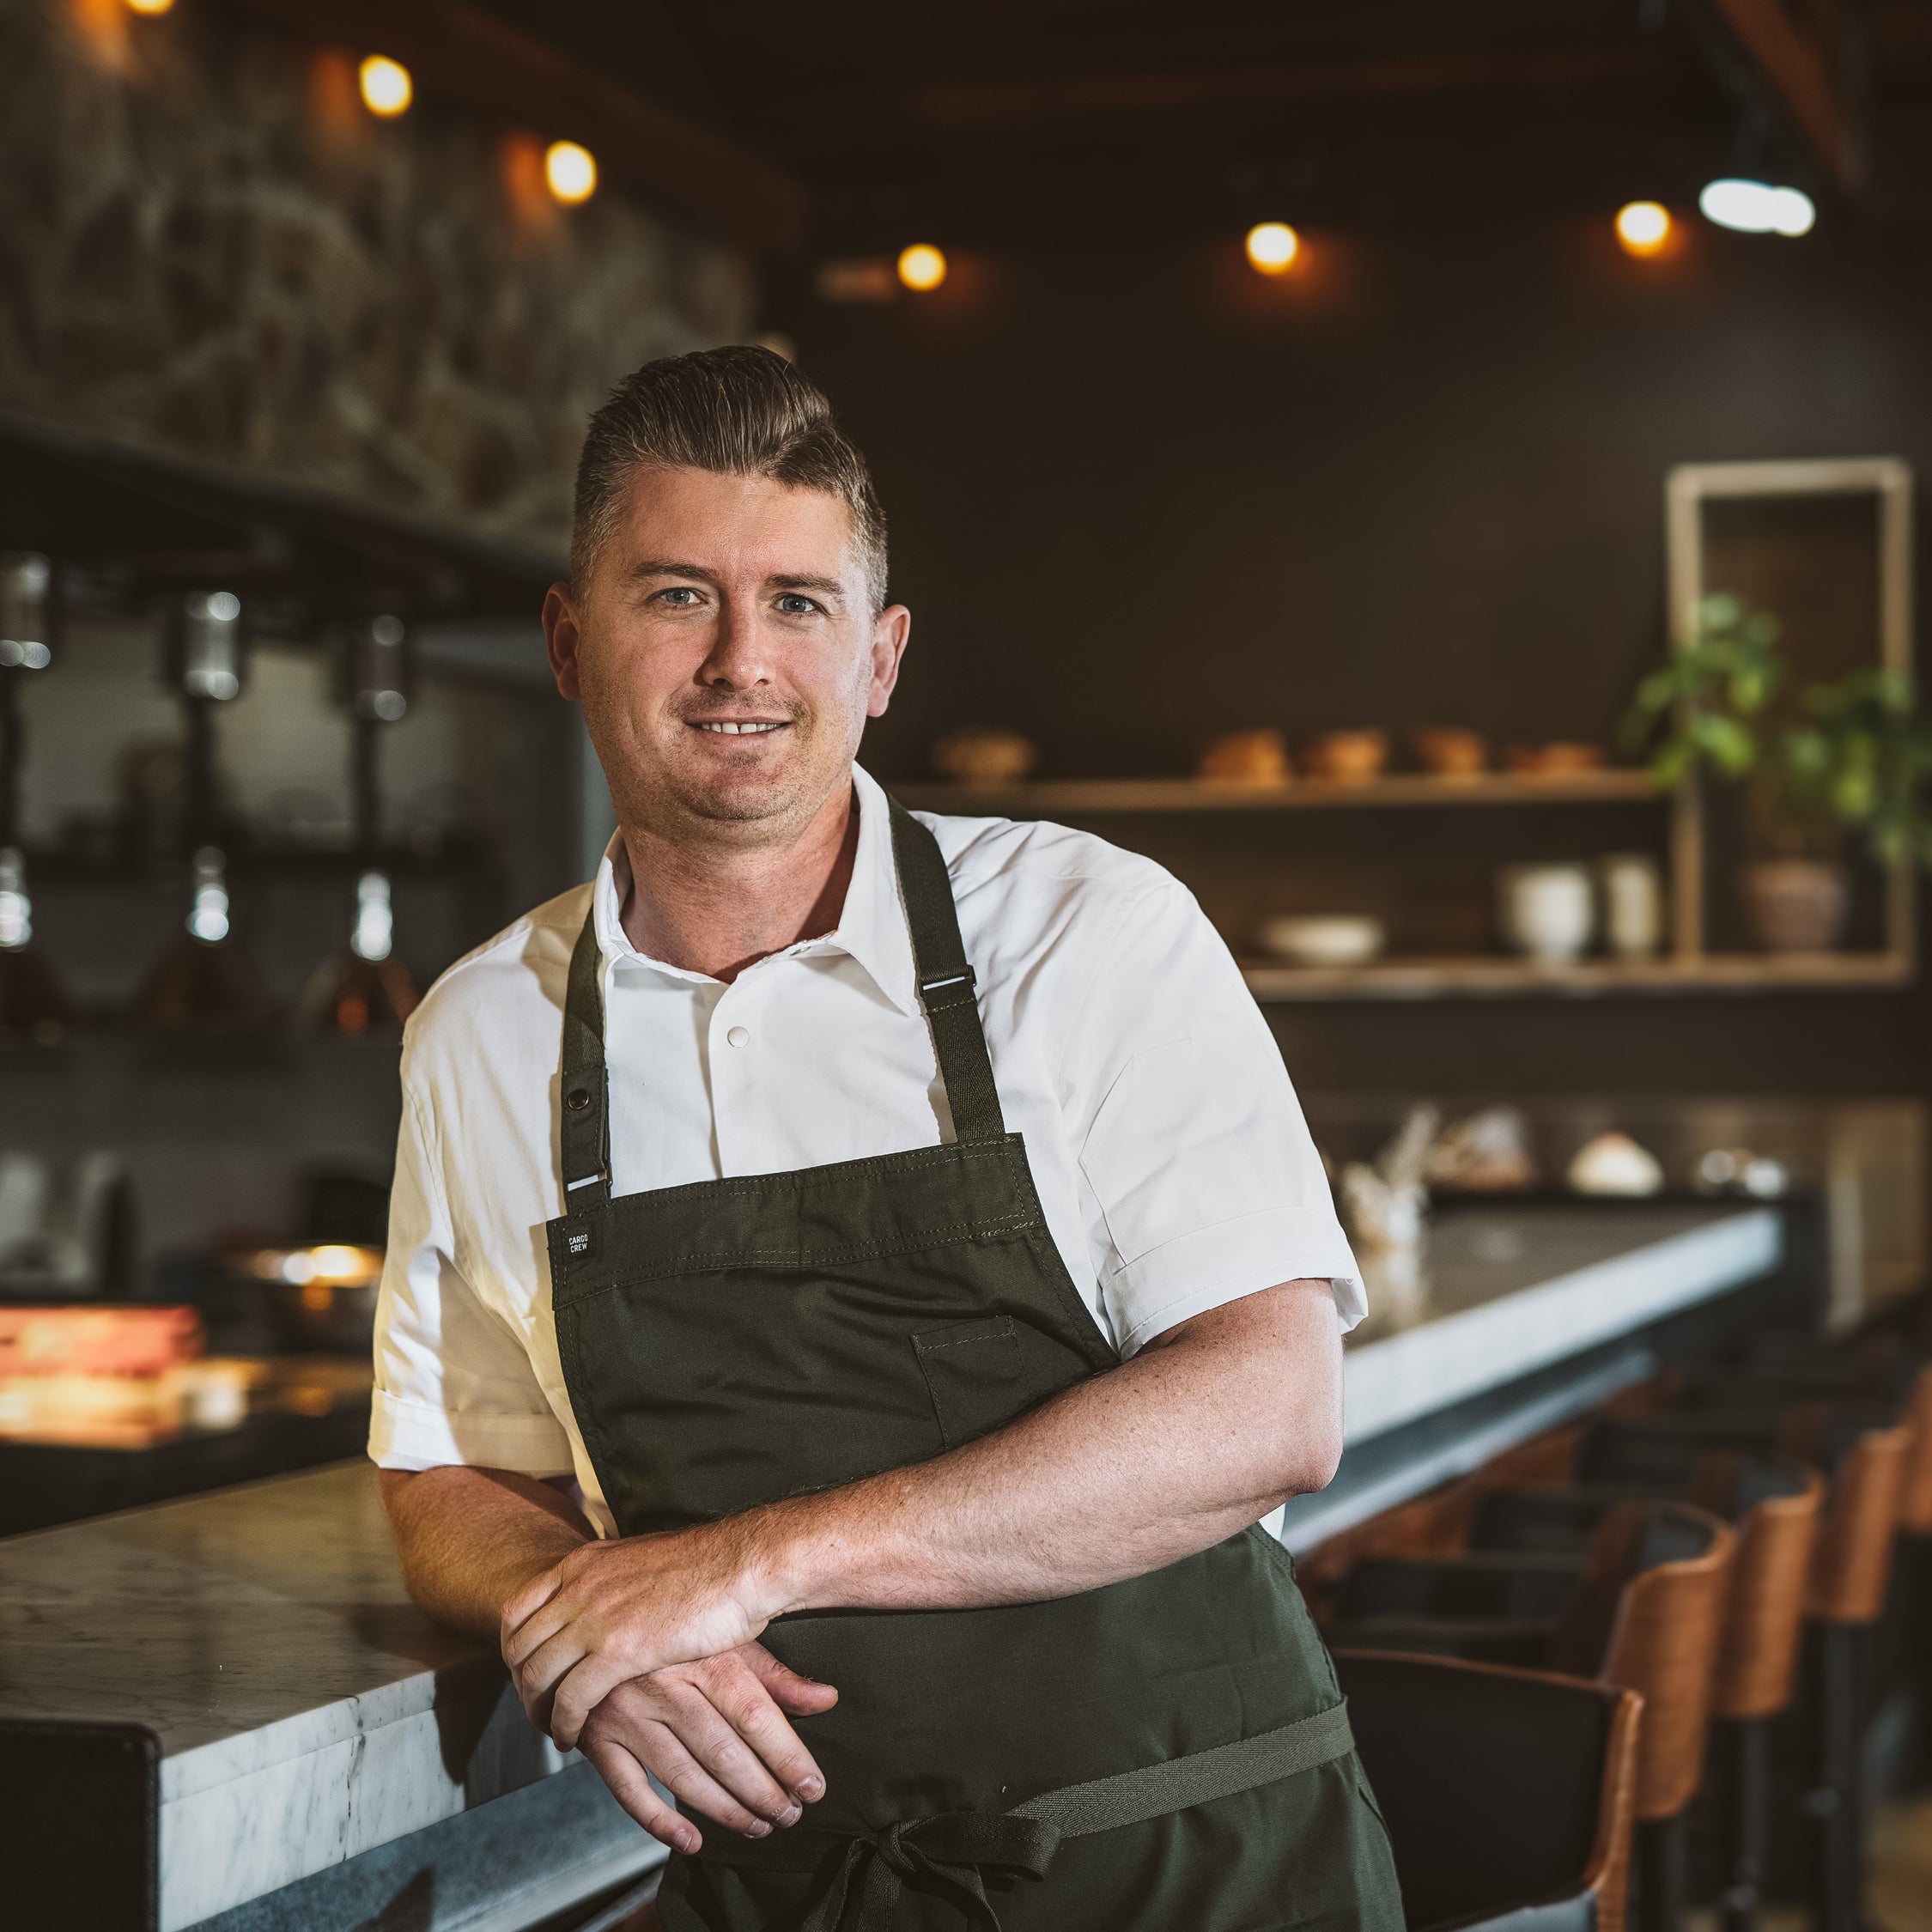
pixel 856 1281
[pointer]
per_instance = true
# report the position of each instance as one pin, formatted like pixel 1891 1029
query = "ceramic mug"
pixel 1549 912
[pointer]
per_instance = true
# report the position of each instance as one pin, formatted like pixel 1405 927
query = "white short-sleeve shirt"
pixel 1172 1162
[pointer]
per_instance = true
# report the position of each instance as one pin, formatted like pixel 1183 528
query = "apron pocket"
pixel 972 1371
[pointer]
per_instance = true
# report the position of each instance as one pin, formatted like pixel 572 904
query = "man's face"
pixel 726 653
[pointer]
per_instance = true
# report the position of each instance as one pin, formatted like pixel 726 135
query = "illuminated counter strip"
pixel 225 1711
pixel 1536 1314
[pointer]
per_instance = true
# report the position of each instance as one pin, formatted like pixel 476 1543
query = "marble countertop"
pixel 1511 1289
pixel 306 1711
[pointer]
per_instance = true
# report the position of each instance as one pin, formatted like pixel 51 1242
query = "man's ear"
pixel 561 635
pixel 891 629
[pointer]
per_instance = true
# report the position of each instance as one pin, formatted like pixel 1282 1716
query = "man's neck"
pixel 717 907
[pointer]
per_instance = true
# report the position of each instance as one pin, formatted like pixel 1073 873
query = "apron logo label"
pixel 580 1241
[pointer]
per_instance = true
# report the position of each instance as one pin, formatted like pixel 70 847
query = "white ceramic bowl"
pixel 1326 939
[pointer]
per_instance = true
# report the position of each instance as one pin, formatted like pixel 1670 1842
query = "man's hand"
pixel 715 1734
pixel 610 1613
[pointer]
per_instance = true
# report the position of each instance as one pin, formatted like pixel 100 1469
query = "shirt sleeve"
pixel 454 1380
pixel 1204 1181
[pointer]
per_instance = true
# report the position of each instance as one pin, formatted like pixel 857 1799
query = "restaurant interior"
pixel 1442 479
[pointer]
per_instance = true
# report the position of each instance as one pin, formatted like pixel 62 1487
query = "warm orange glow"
pixel 1643 228
pixel 149 6
pixel 1273 247
pixel 570 171
pixel 921 267
pixel 386 86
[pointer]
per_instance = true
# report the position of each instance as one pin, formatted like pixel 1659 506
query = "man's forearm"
pixel 468 1539
pixel 1181 1446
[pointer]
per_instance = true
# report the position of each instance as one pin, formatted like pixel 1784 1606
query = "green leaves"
pixel 1852 754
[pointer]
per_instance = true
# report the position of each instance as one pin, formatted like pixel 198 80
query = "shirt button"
pixel 738 1036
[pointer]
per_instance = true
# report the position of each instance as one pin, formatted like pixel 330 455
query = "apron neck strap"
pixel 587 1100
pixel 945 990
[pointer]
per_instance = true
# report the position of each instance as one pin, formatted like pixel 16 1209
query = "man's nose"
pixel 736 658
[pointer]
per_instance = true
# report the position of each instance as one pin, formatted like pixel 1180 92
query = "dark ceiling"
pixel 1012 121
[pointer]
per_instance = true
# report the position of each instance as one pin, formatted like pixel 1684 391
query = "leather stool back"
pixel 1508 1793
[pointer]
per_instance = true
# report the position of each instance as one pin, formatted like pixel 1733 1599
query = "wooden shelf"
pixel 1588 979
pixel 1082 798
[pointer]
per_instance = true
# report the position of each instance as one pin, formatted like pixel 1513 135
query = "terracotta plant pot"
pixel 1797 905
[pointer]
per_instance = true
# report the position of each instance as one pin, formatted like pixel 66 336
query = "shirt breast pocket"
pixel 973 1373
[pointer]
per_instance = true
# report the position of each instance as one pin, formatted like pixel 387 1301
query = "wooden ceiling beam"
pixel 1801 73
pixel 455 53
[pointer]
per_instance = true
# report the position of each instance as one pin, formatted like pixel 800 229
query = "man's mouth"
pixel 741 728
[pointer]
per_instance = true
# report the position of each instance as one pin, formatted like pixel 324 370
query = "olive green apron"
pixel 1171 1751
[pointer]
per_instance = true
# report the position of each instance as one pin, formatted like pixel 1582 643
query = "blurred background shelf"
pixel 1499 978
pixel 1079 797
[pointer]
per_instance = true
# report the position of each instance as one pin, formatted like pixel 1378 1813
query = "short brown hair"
pixel 740 411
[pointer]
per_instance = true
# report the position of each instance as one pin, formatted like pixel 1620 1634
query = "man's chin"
pixel 741 797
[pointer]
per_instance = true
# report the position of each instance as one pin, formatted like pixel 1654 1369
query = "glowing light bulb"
pixel 1757 208
pixel 922 266
pixel 386 86
pixel 1643 228
pixel 150 7
pixel 569 172
pixel 1273 247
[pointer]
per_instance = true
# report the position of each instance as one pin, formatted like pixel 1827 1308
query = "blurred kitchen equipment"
pixel 986 758
pixel 1738 1170
pixel 1563 759
pixel 32 1005
pixel 1347 757
pixel 1797 905
pixel 1386 1205
pixel 1449 751
pixel 1325 939
pixel 201 983
pixel 1613 1163
pixel 1548 912
pixel 365 988
pixel 322 1297
pixel 1488 1151
pixel 75 1236
pixel 1633 913
pixel 1259 757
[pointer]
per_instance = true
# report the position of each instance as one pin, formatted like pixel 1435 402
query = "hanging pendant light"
pixel 33 1006
pixel 201 983
pixel 365 988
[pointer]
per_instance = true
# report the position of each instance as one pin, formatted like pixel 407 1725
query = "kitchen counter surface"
pixel 304 1712
pixel 303 1709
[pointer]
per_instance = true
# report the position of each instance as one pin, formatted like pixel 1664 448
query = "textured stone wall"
pixel 207 245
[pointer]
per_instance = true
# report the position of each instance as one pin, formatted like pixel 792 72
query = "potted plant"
pixel 1818 763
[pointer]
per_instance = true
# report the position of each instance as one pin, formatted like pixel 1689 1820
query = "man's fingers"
pixel 802 1697
pixel 582 1687
pixel 680 1772
pixel 750 1713
pixel 631 1787
pixel 518 1609
pixel 541 1672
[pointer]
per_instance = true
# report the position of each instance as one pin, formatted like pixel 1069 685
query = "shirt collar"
pixel 872 929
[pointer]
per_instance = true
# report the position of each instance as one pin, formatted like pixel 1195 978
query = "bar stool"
pixel 1509 1794
pixel 1773 1502
pixel 1862 1449
pixel 1641 1611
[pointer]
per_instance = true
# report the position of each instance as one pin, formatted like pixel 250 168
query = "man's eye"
pixel 680 595
pixel 795 607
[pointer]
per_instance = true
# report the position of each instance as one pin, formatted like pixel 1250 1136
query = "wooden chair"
pixel 1509 1794
pixel 1641 1612
pixel 1773 1502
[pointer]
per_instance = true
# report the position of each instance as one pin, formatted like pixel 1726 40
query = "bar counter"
pixel 223 1712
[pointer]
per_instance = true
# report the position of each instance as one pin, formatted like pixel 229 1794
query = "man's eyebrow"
pixel 830 586
pixel 652 567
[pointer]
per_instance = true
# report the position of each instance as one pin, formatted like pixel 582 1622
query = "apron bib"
pixel 1171 1751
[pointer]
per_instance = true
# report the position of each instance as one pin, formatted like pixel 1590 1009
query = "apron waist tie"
pixel 953 1848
